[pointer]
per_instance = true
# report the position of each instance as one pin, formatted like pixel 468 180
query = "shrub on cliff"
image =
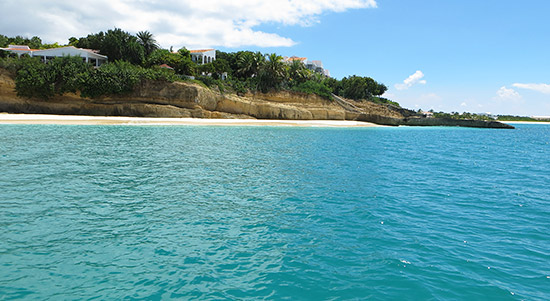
pixel 33 79
pixel 12 64
pixel 113 78
pixel 58 76
pixel 71 74
pixel 65 73
pixel 313 87
pixel 119 77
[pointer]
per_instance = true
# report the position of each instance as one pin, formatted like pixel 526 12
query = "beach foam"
pixel 119 120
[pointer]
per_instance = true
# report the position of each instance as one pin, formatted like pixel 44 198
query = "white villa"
pixel 316 66
pixel 203 56
pixel 88 55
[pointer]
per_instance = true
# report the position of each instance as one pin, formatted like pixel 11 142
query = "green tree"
pixel 333 84
pixel 245 64
pixel 121 45
pixel 298 73
pixel 4 41
pixel 58 76
pixel 49 46
pixel 314 87
pixel 73 41
pixel 231 59
pixel 116 44
pixel 272 73
pixel 65 73
pixel 206 69
pixel 220 66
pixel 33 79
pixel 181 64
pixel 92 41
pixel 148 42
pixel 358 88
pixel 249 64
pixel 113 78
pixel 120 77
pixel 184 52
pixel 35 43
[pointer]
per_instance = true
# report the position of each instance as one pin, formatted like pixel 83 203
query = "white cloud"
pixel 430 97
pixel 507 94
pixel 542 88
pixel 412 80
pixel 205 23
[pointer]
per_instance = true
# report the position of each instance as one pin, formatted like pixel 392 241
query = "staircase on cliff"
pixel 347 105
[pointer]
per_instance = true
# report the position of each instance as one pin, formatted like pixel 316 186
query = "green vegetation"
pixel 180 61
pixel 34 42
pixel 116 44
pixel 10 64
pixel 313 87
pixel 118 78
pixel 148 42
pixel 72 74
pixel 464 115
pixel 133 59
pixel 519 118
pixel 356 87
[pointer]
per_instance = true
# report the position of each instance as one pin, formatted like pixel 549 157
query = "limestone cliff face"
pixel 181 99
pixel 178 99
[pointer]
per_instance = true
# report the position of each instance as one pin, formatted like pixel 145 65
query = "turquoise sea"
pixel 248 213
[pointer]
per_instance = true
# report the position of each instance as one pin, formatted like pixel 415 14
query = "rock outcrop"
pixel 182 99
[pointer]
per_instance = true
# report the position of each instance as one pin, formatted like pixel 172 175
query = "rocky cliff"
pixel 182 99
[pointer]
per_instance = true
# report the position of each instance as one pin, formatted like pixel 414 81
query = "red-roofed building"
pixel 203 56
pixel 295 59
pixel 316 66
pixel 166 66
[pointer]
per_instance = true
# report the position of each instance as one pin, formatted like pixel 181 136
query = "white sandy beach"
pixel 115 120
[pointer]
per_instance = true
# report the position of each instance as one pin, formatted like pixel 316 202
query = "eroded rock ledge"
pixel 180 99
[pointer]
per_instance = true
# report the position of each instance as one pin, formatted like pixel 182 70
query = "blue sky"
pixel 467 51
pixel 476 56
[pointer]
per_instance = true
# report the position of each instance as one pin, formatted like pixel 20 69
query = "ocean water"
pixel 191 212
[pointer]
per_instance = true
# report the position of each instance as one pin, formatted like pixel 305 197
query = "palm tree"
pixel 298 73
pixel 275 67
pixel 245 64
pixel 148 42
pixel 249 63
pixel 272 72
pixel 258 62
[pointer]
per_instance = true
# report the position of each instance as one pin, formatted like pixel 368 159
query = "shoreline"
pixel 6 118
pixel 527 122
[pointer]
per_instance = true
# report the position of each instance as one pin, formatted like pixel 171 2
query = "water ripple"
pixel 145 212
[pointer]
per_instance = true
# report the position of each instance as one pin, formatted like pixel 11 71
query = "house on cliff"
pixel 292 59
pixel 203 56
pixel 316 66
pixel 88 55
